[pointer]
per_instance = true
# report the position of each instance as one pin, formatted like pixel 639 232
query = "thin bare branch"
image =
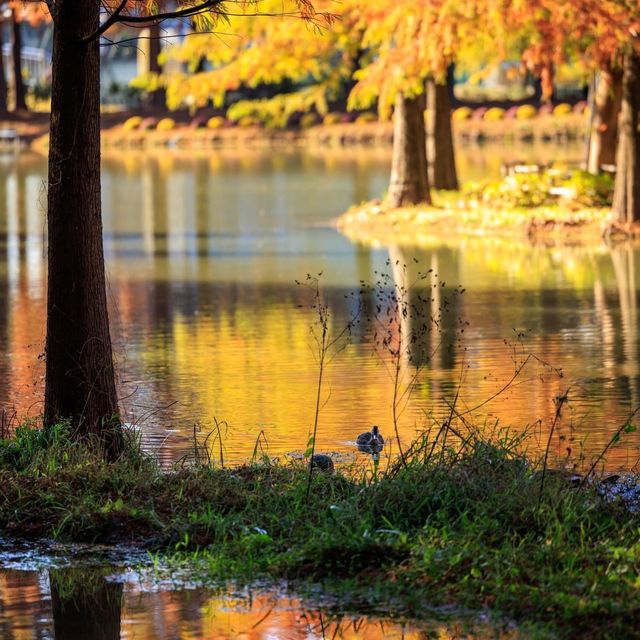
pixel 111 20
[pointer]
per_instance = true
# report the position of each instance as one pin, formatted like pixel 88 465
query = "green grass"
pixel 464 524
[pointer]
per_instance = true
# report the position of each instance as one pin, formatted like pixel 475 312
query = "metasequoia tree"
pixel 383 45
pixel 601 33
pixel 604 33
pixel 19 91
pixel 21 12
pixel 415 43
pixel 80 381
pixel 3 80
pixel 626 193
pixel 314 60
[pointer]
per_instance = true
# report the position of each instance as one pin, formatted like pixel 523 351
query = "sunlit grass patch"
pixel 568 207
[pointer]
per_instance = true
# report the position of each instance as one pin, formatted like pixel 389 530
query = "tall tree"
pixel 409 181
pixel 80 380
pixel 415 42
pixel 19 91
pixel 598 32
pixel 157 97
pixel 440 133
pixel 626 195
pixel 603 135
pixel 3 78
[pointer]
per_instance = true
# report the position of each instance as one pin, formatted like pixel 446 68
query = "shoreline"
pixel 32 129
pixel 376 224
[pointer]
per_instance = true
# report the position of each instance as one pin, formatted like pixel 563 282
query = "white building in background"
pixel 120 63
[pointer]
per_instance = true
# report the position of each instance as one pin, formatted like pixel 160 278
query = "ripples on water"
pixel 202 256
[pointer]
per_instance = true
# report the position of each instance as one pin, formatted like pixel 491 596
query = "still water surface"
pixel 203 252
pixel 71 605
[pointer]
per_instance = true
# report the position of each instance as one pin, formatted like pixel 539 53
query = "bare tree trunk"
pixel 3 80
pixel 409 183
pixel 440 136
pixel 626 194
pixel 156 98
pixel 604 127
pixel 20 101
pixel 80 380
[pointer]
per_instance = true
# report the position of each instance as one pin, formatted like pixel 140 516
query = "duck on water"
pixel 371 438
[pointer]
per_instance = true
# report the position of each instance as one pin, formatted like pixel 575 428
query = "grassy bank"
pixel 549 205
pixel 464 522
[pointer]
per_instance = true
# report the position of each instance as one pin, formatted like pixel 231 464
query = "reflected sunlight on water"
pixel 203 251
pixel 34 604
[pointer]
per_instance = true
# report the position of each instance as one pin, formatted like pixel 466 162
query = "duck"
pixel 322 462
pixel 371 438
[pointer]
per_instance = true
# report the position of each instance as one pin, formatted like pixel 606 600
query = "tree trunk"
pixel 440 136
pixel 604 127
pixel 409 183
pixel 3 79
pixel 626 194
pixel 156 98
pixel 20 101
pixel 80 381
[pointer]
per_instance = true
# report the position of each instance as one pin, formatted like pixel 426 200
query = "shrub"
pixel 589 190
pixel 132 123
pixel 563 109
pixel 309 120
pixel 217 122
pixel 366 117
pixel 494 114
pixel 248 121
pixel 198 122
pixel 580 107
pixel 166 124
pixel 462 113
pixel 333 118
pixel 526 112
pixel 511 113
pixel 478 114
pixel 147 124
pixel 577 189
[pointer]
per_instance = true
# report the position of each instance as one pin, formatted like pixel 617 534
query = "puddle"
pixel 81 591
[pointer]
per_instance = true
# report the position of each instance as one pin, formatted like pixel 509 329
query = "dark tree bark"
pixel 626 194
pixel 18 81
pixel 409 183
pixel 3 80
pixel 84 605
pixel 604 126
pixel 80 382
pixel 156 98
pixel 440 136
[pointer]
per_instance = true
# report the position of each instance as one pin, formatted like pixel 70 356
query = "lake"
pixel 203 253
pixel 209 326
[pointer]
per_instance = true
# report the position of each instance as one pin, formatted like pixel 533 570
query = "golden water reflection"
pixel 36 605
pixel 203 251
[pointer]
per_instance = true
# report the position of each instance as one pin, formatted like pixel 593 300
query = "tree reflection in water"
pixel 85 605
